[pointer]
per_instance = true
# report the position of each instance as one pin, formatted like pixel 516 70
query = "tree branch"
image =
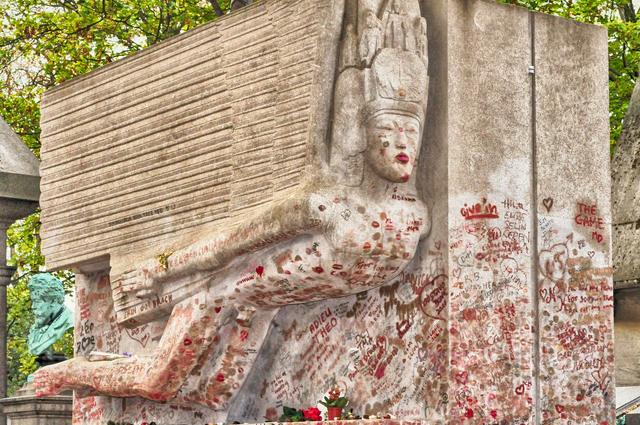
pixel 237 4
pixel 216 7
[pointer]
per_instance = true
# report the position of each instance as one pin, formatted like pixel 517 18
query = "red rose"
pixel 312 414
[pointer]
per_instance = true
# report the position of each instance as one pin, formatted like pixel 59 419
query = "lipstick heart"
pixel 260 270
pixel 139 335
pixel 462 377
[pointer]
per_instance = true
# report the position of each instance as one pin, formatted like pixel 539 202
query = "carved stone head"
pixel 381 98
pixel 393 143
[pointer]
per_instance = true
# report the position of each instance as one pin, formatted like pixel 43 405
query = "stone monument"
pixel 359 194
pixel 626 178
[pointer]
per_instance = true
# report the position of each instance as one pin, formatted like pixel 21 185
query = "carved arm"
pixel 140 293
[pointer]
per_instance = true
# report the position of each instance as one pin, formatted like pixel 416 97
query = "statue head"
pixel 380 108
pixel 393 142
pixel 52 318
pixel 47 298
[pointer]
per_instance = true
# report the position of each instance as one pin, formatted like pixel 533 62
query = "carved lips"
pixel 403 158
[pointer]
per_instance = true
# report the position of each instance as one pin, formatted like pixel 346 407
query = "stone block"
pixel 626 177
pixel 31 410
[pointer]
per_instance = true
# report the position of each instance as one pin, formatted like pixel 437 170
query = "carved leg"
pixel 189 333
pixel 226 373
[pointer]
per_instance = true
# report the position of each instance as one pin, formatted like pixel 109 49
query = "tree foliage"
pixel 46 42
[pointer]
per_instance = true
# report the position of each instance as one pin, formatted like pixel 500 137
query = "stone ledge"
pixel 341 422
pixel 31 406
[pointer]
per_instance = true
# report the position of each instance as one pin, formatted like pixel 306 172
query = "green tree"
pixel 42 44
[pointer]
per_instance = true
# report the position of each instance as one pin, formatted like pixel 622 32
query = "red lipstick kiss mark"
pixel 462 377
pixel 405 178
pixel 403 158
pixel 366 246
pixel 220 377
pixel 218 309
pixel 318 269
pixel 244 335
pixel 260 270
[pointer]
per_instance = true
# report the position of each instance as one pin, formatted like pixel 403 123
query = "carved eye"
pixel 412 130
pixel 385 144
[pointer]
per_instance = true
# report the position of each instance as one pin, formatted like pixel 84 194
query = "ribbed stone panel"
pixel 197 131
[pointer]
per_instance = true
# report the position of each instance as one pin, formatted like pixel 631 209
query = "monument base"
pixel 32 410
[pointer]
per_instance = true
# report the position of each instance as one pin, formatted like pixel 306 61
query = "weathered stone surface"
pixel 498 273
pixel 627 343
pixel 490 196
pixel 626 245
pixel 31 410
pixel 575 304
pixel 197 132
pixel 626 187
pixel 354 228
pixel 18 167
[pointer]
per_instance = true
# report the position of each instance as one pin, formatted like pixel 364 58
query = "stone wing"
pixel 197 132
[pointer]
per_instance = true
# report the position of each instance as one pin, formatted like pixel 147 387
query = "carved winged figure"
pixel 353 230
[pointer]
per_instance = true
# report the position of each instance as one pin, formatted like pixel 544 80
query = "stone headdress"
pixel 383 67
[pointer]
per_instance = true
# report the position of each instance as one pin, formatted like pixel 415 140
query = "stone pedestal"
pixel 31 410
pixel 632 419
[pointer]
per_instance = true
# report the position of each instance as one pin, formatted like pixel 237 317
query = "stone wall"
pixel 625 247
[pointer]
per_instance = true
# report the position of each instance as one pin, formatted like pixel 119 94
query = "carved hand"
pixel 138 282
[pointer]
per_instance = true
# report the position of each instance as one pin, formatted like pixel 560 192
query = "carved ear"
pixel 348 136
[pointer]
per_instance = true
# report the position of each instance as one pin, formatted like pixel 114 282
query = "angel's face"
pixel 393 142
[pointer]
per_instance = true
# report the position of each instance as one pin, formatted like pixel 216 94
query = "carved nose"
pixel 401 140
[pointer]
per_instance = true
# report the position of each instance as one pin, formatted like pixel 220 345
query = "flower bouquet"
pixel 289 414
